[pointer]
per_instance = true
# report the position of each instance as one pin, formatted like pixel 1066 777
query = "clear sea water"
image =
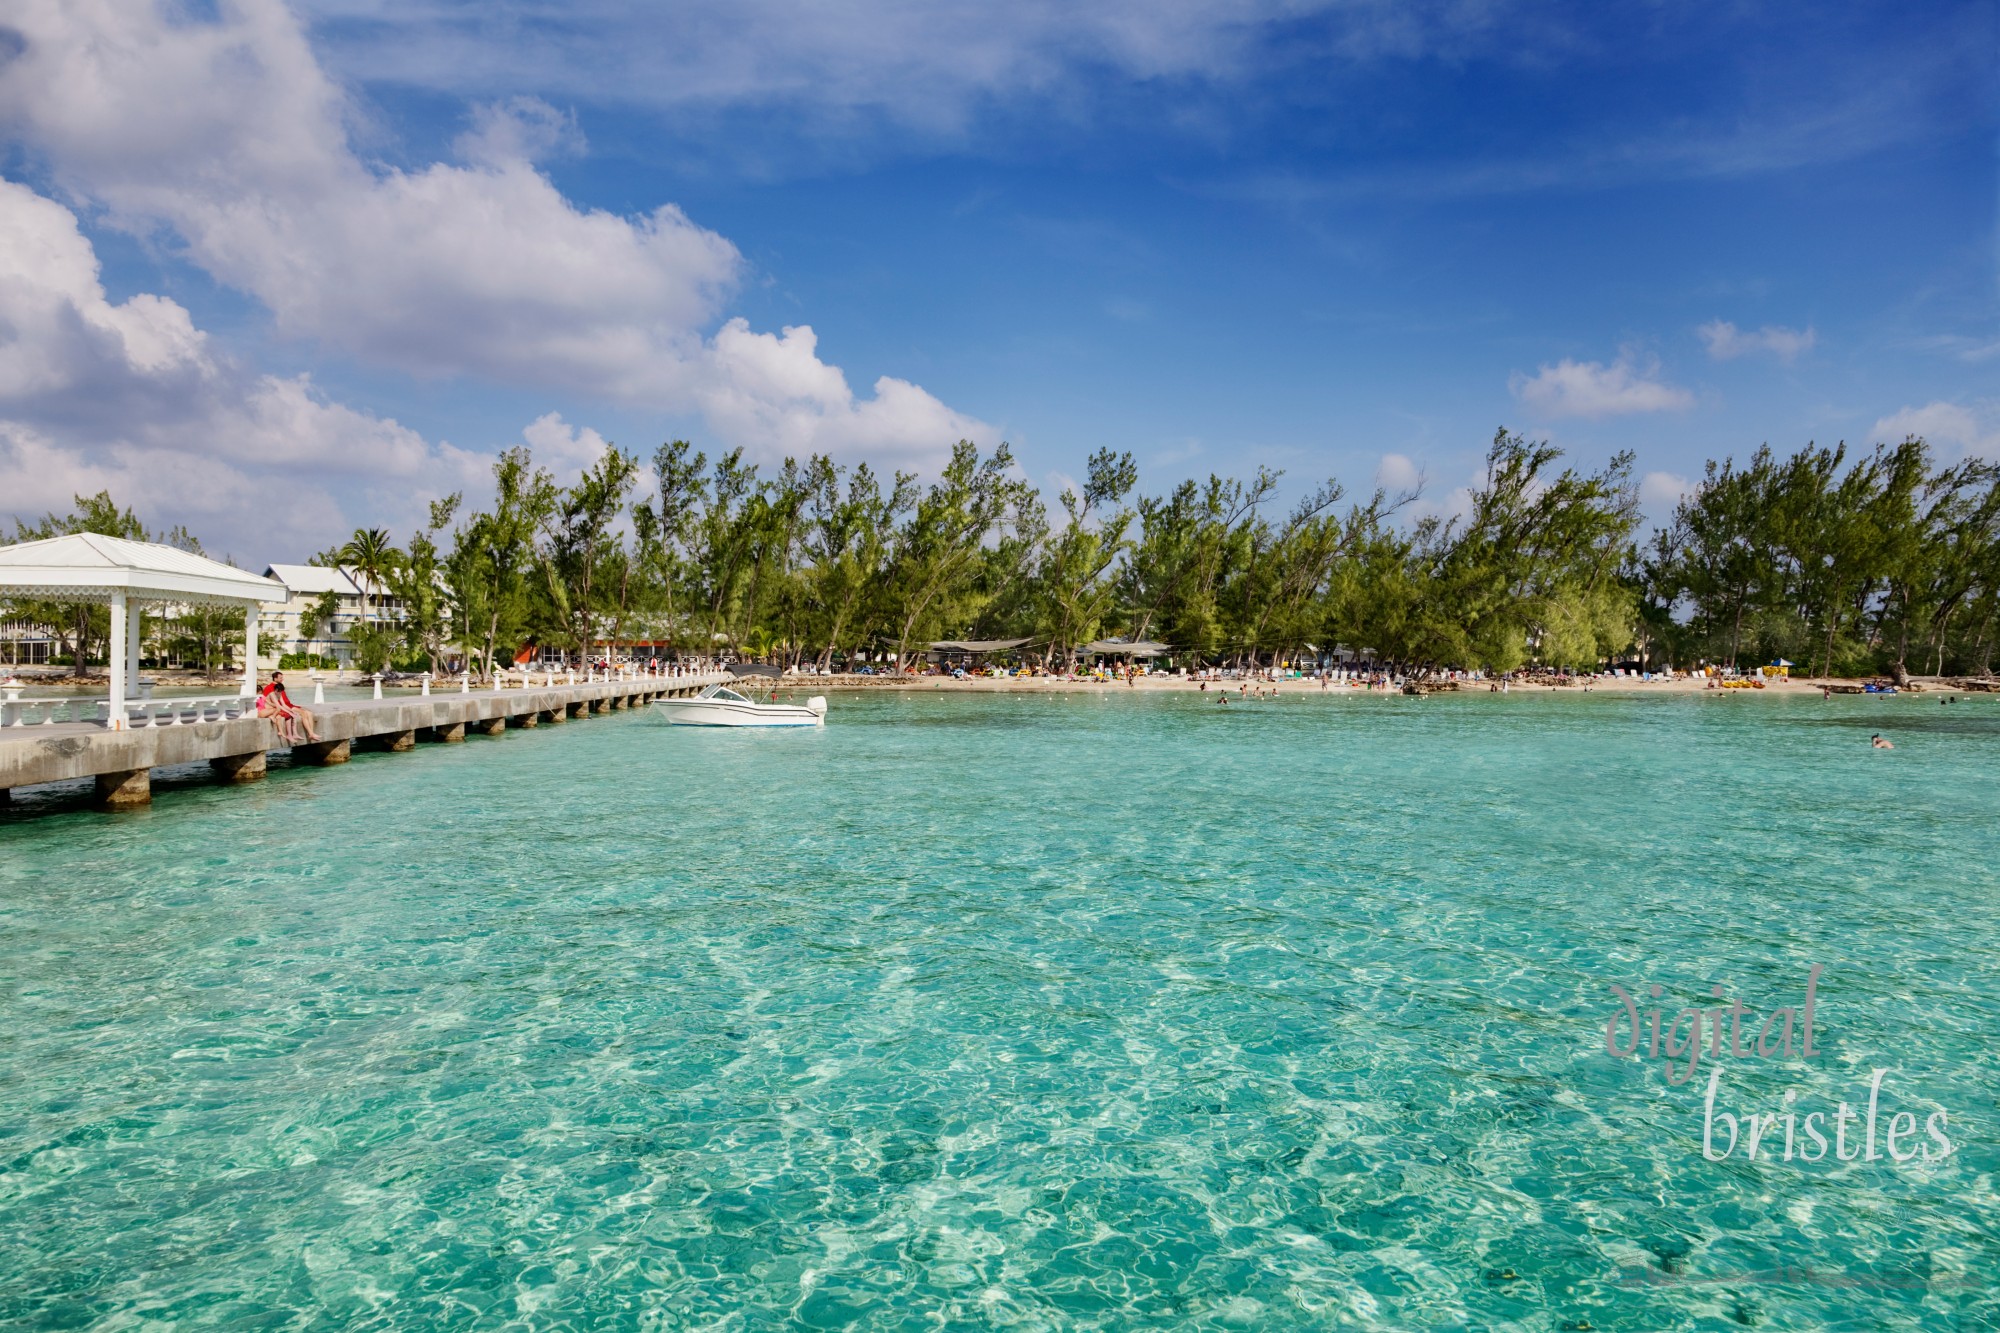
pixel 1021 1012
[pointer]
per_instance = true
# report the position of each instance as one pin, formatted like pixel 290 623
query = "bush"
pixel 372 647
pixel 307 662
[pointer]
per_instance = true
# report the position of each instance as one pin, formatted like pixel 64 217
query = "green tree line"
pixel 1883 562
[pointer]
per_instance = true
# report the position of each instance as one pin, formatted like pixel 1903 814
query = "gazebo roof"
pixel 90 567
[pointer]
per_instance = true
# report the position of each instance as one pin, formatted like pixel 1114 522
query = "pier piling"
pixel 323 754
pixel 125 791
pixel 235 768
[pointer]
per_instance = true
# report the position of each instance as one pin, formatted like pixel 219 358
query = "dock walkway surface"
pixel 237 748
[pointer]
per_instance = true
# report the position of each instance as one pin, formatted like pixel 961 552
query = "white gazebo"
pixel 89 567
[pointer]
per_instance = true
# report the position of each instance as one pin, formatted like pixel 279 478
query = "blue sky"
pixel 347 249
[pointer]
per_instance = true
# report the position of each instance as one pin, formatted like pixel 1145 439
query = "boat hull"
pixel 728 713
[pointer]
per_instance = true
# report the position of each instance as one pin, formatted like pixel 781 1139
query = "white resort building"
pixel 26 643
pixel 282 627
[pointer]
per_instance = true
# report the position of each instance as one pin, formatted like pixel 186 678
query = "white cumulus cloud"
pixel 225 137
pixel 1662 490
pixel 776 390
pixel 1941 422
pixel 131 396
pixel 1397 472
pixel 1726 342
pixel 1593 389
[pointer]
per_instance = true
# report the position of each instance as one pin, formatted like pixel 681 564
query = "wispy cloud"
pixel 1962 348
pixel 927 67
pixel 1726 342
pixel 519 129
pixel 1594 389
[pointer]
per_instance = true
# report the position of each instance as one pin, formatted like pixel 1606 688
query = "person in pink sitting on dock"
pixel 272 701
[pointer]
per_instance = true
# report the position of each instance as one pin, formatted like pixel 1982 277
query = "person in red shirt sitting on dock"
pixel 273 701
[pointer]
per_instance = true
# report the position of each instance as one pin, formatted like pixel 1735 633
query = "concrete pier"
pixel 237 748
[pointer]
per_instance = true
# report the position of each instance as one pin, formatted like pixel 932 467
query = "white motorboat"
pixel 720 706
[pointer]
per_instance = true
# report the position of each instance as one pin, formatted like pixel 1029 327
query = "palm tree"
pixel 371 555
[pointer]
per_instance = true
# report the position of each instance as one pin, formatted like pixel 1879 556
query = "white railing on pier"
pixel 16 712
pixel 186 712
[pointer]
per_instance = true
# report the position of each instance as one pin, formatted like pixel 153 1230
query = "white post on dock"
pixel 378 684
pixel 250 610
pixel 116 722
pixel 319 689
pixel 465 682
pixel 427 685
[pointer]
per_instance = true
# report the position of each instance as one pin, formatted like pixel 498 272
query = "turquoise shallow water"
pixel 1018 1012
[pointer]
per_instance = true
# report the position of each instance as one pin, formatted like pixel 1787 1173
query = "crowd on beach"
pixel 1363 679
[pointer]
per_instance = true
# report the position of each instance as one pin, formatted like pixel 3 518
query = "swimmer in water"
pixel 1879 743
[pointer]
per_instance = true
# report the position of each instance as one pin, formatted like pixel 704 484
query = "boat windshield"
pixel 727 695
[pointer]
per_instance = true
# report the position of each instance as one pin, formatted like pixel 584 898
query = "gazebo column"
pixel 249 690
pixel 116 670
pixel 134 637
